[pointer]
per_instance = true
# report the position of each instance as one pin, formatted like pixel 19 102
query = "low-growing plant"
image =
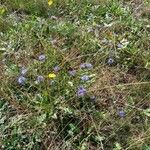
pixel 74 75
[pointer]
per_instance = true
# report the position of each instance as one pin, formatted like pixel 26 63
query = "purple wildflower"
pixel 121 113
pixel 40 79
pixel 110 61
pixel 86 65
pixel 42 57
pixel 85 78
pixel 21 80
pixel 82 66
pixel 81 92
pixel 56 68
pixel 72 72
pixel 23 71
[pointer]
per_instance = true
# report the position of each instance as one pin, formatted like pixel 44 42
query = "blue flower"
pixel 110 61
pixel 82 66
pixel 56 68
pixel 72 72
pixel 23 71
pixel 21 80
pixel 85 78
pixel 81 91
pixel 121 113
pixel 40 79
pixel 86 65
pixel 42 57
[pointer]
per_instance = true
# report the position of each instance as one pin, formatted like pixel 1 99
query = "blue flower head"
pixel 72 72
pixel 82 66
pixel 81 92
pixel 85 78
pixel 86 65
pixel 21 80
pixel 40 79
pixel 42 57
pixel 110 61
pixel 121 113
pixel 23 71
pixel 56 68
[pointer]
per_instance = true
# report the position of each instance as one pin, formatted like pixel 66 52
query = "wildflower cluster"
pixel 22 79
pixel 81 90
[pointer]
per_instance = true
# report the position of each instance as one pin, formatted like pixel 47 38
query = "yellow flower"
pixel 52 75
pixel 50 2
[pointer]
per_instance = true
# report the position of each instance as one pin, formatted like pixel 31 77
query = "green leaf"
pixel 147 112
pixel 2 10
pixel 99 138
pixel 117 146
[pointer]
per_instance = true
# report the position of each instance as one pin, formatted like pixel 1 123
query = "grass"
pixel 53 113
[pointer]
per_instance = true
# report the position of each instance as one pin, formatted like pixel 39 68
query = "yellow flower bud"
pixel 52 75
pixel 50 2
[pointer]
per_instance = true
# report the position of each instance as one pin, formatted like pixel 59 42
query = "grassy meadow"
pixel 74 75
